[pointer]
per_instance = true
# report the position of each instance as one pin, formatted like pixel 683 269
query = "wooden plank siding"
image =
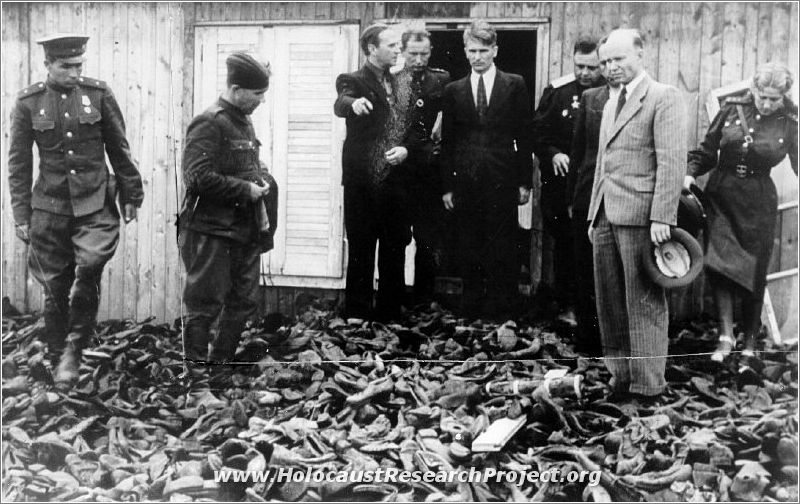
pixel 145 51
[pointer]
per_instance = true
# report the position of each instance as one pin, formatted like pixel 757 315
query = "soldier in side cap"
pixel 229 216
pixel 70 218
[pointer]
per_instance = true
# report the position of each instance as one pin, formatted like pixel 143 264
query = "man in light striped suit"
pixel 641 161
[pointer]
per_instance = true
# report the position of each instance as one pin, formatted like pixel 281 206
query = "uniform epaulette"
pixel 792 115
pixel 438 70
pixel 741 99
pixel 32 90
pixel 90 82
pixel 563 81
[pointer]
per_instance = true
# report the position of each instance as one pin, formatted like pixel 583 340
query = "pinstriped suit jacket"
pixel 641 159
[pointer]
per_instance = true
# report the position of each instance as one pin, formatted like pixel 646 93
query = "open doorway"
pixel 516 54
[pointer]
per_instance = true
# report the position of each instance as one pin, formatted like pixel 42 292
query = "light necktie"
pixel 620 102
pixel 482 104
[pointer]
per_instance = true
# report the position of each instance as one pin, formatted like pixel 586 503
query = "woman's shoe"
pixel 724 347
pixel 749 346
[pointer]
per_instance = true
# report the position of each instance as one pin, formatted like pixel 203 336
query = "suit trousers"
pixel 558 225
pixel 67 255
pixel 588 330
pixel 486 216
pixel 375 214
pixel 631 309
pixel 427 219
pixel 221 283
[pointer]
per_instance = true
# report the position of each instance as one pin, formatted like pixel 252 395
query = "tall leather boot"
pixel 223 348
pixel 55 327
pixel 82 313
pixel 67 373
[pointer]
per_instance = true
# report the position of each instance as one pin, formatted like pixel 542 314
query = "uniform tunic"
pixel 742 202
pixel 219 237
pixel 553 123
pixel 71 210
pixel 420 93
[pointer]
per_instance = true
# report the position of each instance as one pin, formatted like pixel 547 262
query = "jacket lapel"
pixel 466 96
pixel 631 107
pixel 499 92
pixel 372 82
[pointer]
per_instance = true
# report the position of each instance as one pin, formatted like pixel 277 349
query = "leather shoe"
pixel 618 396
pixel 642 401
pixel 67 373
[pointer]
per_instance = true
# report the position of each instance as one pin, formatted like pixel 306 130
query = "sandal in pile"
pixel 724 348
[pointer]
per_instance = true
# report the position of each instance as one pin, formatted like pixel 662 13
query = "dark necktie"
pixel 482 105
pixel 387 86
pixel 620 102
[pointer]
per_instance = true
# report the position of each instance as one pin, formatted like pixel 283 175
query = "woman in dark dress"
pixel 750 135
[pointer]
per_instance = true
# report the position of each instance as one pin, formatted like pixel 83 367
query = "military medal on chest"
pixel 575 102
pixel 87 104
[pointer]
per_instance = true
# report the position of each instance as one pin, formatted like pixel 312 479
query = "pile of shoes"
pixel 324 394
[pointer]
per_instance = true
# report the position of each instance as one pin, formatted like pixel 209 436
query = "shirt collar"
pixel 631 86
pixel 59 88
pixel 377 71
pixel 488 75
pixel 235 111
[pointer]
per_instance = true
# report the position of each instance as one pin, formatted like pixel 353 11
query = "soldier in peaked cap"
pixel 70 217
pixel 229 216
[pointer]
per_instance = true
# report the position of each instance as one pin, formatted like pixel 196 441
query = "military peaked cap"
pixel 64 46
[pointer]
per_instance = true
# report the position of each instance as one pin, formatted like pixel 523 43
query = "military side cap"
pixel 64 46
pixel 247 72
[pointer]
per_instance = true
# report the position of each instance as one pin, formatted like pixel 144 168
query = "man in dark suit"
pixel 582 159
pixel 553 124
pixel 486 159
pixel 421 89
pixel 374 190
pixel 641 161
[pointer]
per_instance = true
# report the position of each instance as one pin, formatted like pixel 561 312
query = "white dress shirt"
pixel 613 93
pixel 488 83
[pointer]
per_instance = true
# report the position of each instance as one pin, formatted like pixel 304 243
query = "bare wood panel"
pixel 764 36
pixel 177 102
pixel 609 18
pixel 788 239
pixel 794 34
pixel 689 68
pixel 733 43
pixel 494 10
pixel 711 57
pixel 750 50
pixel 557 21
pixel 478 10
pixel 571 31
pixel 13 78
pixel 781 26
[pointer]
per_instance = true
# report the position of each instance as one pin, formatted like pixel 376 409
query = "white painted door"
pixel 302 139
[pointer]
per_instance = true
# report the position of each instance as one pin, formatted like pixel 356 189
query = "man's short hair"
pixel 371 35
pixel 413 35
pixel 636 36
pixel 585 45
pixel 481 31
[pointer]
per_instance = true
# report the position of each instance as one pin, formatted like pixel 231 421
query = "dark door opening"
pixel 516 54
